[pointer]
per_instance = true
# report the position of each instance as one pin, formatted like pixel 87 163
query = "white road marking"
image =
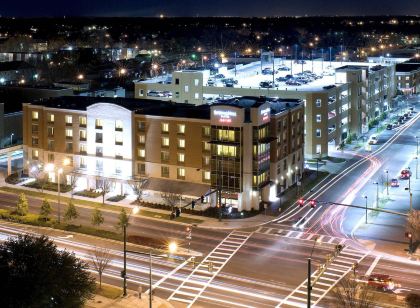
pixel 373 265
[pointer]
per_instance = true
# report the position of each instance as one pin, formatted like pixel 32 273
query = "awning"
pixel 178 187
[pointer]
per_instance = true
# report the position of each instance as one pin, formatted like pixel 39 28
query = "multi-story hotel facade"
pixel 249 148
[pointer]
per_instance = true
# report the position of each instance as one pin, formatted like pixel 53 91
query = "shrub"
pixel 22 205
pixel 88 193
pixel 116 198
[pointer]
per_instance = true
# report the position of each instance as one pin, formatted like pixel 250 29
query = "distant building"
pixel 251 148
pixel 408 76
pixel 16 72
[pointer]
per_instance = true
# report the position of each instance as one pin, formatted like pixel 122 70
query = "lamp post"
pixel 134 211
pixel 387 182
pixel 366 221
pixel 377 193
pixel 309 289
pixel 417 166
pixel 51 168
pixel 11 138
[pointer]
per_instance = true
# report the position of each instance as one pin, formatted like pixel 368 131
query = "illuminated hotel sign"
pixel 225 116
pixel 265 114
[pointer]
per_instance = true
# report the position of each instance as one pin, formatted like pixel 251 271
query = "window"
pixel 142 139
pixel 82 135
pixel 50 118
pixel 181 157
pixel 98 124
pixel 118 154
pixel 181 143
pixel 206 131
pixel 50 157
pixel 82 121
pixel 318 102
pixel 141 92
pixel 196 81
pixel 69 133
pixel 141 126
pixel 98 138
pixel 318 149
pixel 35 141
pixel 186 89
pixel 50 131
pixel 69 147
pixel 165 127
pixel 164 156
pixel 35 154
pixel 69 120
pixel 50 145
pixel 82 162
pixel 318 132
pixel 118 139
pixel 141 153
pixel 82 149
pixel 206 160
pixel 318 118
pixel 206 146
pixel 99 164
pixel 177 81
pixel 196 95
pixel 164 170
pixel 35 115
pixel 35 128
pixel 206 176
pixel 225 135
pixel 69 159
pixel 180 173
pixel 181 128
pixel 226 150
pixel 99 151
pixel 165 141
pixel 119 125
pixel 141 169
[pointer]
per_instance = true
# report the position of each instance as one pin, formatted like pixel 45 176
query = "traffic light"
pixel 192 204
pixel 301 202
pixel 122 274
pixel 193 56
pixel 202 199
pixel 312 203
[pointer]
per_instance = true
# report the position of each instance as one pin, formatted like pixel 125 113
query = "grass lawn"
pixel 117 208
pixel 108 291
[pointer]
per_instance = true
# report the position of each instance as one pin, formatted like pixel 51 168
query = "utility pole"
pixel 309 283
pixel 124 273
pixel 387 182
pixel 377 193
pixel 366 213
pixel 220 204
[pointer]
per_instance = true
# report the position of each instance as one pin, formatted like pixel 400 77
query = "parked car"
pixel 219 76
pixel 395 183
pixel 268 84
pixel 405 174
pixel 381 282
pixel 373 139
pixel 389 127
pixel 267 71
pixel 300 61
pixel 291 82
pixel 282 79
pixel 283 68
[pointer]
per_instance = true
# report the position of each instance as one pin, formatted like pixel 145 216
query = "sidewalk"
pixel 130 301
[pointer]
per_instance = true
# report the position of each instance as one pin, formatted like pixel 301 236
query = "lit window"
pixel 98 123
pixel 181 173
pixel 118 125
pixel 206 131
pixel 226 150
pixel 196 81
pixel 69 133
pixel 69 119
pixel 51 118
pixel 186 89
pixel 82 135
pixel 318 118
pixel 206 146
pixel 181 128
pixel 318 149
pixel 165 141
pixel 181 157
pixel 35 154
pixel 206 175
pixel 141 153
pixel 142 139
pixel 35 115
pixel 82 148
pixel 196 95
pixel 165 127
pixel 82 120
pixel 50 131
pixel 181 143
pixel 318 132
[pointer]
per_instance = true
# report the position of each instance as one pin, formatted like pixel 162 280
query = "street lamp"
pixel 51 168
pixel 134 211
pixel 316 240
pixel 387 182
pixel 11 138
pixel 417 166
pixel 366 208
pixel 377 193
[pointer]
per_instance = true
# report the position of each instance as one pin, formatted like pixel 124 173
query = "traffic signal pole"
pixel 309 283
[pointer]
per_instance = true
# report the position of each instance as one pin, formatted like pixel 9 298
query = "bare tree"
pixel 171 200
pixel 413 224
pixel 100 259
pixel 351 293
pixel 139 186
pixel 105 185
pixel 40 176
pixel 73 177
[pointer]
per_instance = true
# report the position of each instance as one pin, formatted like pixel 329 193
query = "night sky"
pixel 31 8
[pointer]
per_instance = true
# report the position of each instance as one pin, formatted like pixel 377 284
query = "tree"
pixel 97 217
pixel 40 176
pixel 100 259
pixel 139 186
pixel 22 205
pixel 105 185
pixel 350 293
pixel 45 210
pixel 37 274
pixel 413 224
pixel 122 220
pixel 71 212
pixel 171 199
